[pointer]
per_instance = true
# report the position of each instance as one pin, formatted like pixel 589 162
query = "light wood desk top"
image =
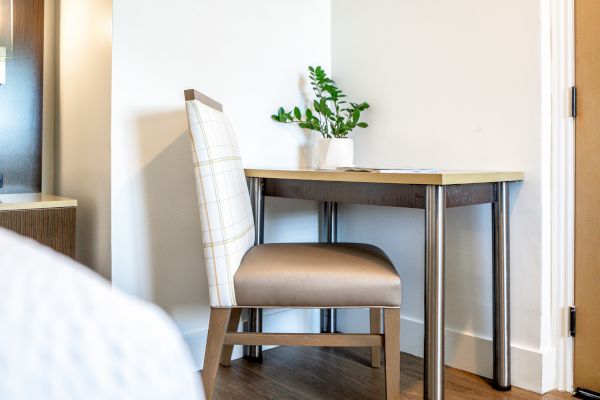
pixel 31 201
pixel 410 178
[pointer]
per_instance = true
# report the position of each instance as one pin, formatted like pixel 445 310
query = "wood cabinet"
pixel 47 219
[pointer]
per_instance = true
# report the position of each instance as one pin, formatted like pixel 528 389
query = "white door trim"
pixel 563 184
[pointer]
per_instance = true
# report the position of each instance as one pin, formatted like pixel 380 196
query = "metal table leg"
pixel 329 235
pixel 435 210
pixel 254 323
pixel 501 250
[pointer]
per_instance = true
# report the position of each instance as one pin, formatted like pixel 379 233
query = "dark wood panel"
pixel 21 102
pixel 345 374
pixel 53 227
pixel 408 196
pixel 468 195
pixel 411 196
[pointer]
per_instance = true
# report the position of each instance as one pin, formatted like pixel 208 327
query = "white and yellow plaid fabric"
pixel 223 199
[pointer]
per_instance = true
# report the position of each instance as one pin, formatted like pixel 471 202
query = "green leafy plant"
pixel 331 115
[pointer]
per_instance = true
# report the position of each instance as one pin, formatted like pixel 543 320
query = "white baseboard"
pixel 469 353
pixel 463 351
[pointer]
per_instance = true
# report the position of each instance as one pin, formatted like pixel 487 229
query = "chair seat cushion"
pixel 317 275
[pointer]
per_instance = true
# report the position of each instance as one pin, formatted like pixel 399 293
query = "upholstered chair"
pixel 306 275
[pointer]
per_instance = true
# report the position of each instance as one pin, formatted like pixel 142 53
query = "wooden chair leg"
pixel 376 329
pixel 232 326
pixel 391 320
pixel 216 335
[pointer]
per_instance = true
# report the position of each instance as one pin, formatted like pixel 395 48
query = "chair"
pixel 307 275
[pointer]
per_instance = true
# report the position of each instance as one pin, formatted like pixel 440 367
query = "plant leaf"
pixel 316 106
pixel 333 121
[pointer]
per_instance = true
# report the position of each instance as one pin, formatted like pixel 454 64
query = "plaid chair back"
pixel 223 199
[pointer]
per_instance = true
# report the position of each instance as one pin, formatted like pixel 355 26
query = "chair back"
pixel 223 199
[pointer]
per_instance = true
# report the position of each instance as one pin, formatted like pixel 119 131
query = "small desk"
pixel 432 192
pixel 44 217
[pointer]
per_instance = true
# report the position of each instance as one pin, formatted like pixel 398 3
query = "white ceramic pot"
pixel 333 153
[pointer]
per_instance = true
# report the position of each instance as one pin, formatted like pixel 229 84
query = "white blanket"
pixel 66 334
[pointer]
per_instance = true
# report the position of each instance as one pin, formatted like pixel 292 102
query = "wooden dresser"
pixel 46 218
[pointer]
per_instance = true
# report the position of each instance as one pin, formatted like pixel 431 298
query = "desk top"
pixel 31 201
pixel 409 178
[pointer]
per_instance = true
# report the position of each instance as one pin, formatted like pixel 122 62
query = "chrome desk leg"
pixel 433 368
pixel 501 249
pixel 255 317
pixel 253 324
pixel 329 235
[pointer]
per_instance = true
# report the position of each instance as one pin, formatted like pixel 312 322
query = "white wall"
pixel 251 56
pixel 456 85
pixel 82 126
pixel 452 85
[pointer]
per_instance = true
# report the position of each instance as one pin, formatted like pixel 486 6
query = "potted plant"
pixel 332 116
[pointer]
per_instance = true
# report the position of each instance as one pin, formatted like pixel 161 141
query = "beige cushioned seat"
pixel 317 275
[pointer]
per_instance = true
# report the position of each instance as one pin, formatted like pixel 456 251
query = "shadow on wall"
pixel 171 239
pixel 469 276
pixel 168 261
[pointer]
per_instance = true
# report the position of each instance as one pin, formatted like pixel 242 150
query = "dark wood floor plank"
pixel 316 373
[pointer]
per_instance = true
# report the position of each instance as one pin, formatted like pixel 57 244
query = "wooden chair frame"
pixel 223 335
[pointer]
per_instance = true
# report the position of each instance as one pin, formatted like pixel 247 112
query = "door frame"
pixel 562 77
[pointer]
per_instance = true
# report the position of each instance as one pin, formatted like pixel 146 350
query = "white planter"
pixel 333 153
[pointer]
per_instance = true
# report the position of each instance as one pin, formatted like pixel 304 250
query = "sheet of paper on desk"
pixel 390 170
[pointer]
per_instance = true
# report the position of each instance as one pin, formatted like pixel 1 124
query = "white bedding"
pixel 66 334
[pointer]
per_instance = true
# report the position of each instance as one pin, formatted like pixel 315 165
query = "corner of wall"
pixel 81 150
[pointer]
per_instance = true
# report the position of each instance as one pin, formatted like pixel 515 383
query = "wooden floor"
pixel 344 374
